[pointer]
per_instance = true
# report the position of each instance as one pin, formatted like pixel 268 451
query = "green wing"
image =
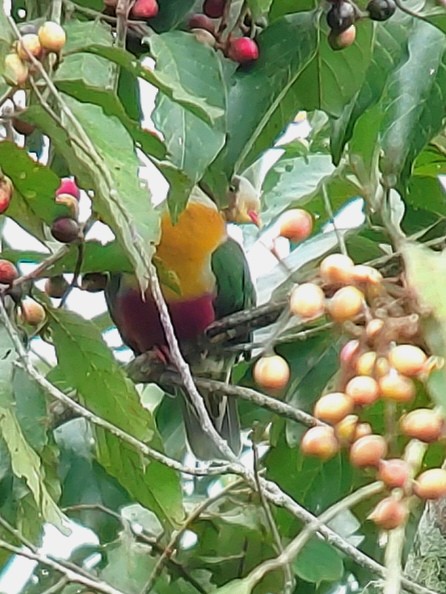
pixel 235 289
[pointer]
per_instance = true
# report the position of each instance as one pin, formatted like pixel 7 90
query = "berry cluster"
pixel 383 365
pixel 209 28
pixel 142 9
pixel 343 14
pixel 49 38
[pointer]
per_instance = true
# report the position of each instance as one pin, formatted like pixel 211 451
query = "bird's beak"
pixel 255 218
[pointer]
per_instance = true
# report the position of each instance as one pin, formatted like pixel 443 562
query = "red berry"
pixel 296 224
pixel 6 191
pixel 65 230
pixel 389 513
pixel 201 21
pixel 214 8
pixel 68 186
pixel 8 272
pixel 320 442
pixel 144 9
pixel 368 451
pixel 394 473
pixel 243 50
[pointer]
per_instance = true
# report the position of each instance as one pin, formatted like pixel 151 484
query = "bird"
pixel 214 280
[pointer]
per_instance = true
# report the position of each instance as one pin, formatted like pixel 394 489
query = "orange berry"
pixel 397 387
pixel 423 424
pixel 431 484
pixel 346 304
pixel 394 473
pixel 389 513
pixel 362 429
pixel 337 269
pixel 32 313
pixel 366 363
pixel 307 301
pixel 345 430
pixel 368 451
pixel 29 43
pixel 15 70
pixel 366 274
pixel 333 407
pixel 271 372
pixel 52 36
pixel 363 389
pixel 408 359
pixel 320 442
pixel 373 328
pixel 295 224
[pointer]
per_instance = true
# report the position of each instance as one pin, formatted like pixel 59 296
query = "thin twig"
pixel 329 209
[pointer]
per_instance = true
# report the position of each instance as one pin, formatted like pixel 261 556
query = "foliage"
pixel 376 136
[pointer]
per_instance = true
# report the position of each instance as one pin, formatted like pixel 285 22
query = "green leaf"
pixel 169 84
pixel 318 561
pixel 102 385
pixel 31 410
pixel 198 69
pixel 414 104
pixel 88 78
pixel 259 7
pixel 265 94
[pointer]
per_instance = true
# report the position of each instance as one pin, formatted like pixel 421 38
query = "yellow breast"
pixel 186 248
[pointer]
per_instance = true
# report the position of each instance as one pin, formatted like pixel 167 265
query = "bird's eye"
pixel 232 188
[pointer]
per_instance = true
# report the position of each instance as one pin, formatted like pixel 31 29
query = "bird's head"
pixel 243 202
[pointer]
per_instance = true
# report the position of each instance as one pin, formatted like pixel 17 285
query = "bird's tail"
pixel 224 416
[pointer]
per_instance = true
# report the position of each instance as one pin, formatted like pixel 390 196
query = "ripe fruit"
pixel 394 473
pixel 214 8
pixel 396 387
pixel 381 10
pixel 389 513
pixel 65 230
pixel 339 41
pixel 363 390
pixel 56 286
pixel 6 191
pixel 408 359
pixel 373 328
pixel 29 44
pixel 31 312
pixel 365 364
pixel 243 50
pixel 52 37
pixel 336 269
pixel 295 224
pixel 94 282
pixel 15 70
pixel 8 272
pixel 271 372
pixel 307 301
pixel 201 21
pixel 320 442
pixel 346 304
pixel 204 37
pixel 70 202
pixel 341 16
pixel 68 186
pixel 431 484
pixel 333 407
pixel 362 429
pixel 368 451
pixel 144 9
pixel 423 424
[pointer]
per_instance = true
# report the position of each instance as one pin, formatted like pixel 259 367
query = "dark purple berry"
pixel 341 16
pixel 381 10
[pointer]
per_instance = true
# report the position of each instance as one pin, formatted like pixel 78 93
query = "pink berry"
pixel 144 9
pixel 68 186
pixel 243 50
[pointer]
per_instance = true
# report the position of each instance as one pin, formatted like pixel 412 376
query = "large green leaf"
pixel 89 367
pixel 261 100
pixel 318 561
pixel 414 104
pixel 198 69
